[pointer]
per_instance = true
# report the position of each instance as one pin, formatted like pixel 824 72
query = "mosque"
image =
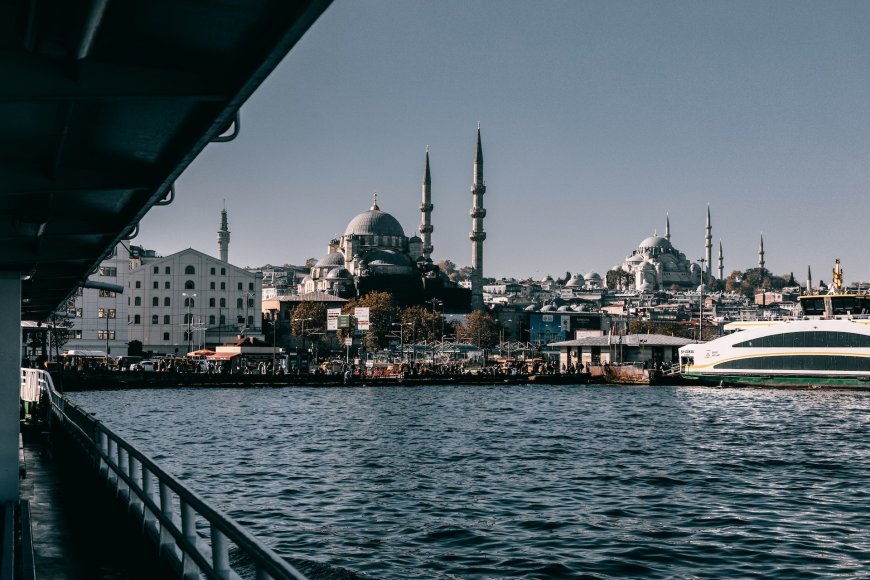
pixel 374 254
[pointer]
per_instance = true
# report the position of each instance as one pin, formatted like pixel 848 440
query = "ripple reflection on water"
pixel 523 481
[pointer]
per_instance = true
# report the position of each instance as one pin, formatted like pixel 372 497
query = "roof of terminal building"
pixel 627 340
pixel 104 105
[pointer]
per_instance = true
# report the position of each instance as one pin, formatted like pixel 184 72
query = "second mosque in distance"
pixel 374 254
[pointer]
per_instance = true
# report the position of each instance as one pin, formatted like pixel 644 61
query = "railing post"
pixel 188 532
pixel 122 490
pixel 104 448
pixel 148 492
pixel 166 507
pixel 220 558
pixel 132 471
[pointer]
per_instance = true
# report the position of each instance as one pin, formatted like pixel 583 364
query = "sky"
pixel 598 120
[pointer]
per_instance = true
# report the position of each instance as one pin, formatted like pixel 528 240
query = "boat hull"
pixel 781 381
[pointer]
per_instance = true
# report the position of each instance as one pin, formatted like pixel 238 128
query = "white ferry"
pixel 829 347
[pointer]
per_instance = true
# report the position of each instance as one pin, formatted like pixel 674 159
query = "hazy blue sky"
pixel 598 118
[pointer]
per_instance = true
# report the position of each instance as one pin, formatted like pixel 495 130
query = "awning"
pixel 222 356
pixel 201 352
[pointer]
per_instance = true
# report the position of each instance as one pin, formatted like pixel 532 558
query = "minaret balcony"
pixel 426 207
pixel 426 229
pixel 427 249
pixel 478 212
pixel 478 188
pixel 477 236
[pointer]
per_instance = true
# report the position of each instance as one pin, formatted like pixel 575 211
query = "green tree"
pixel 424 324
pixel 134 348
pixel 382 313
pixel 308 315
pixel 448 268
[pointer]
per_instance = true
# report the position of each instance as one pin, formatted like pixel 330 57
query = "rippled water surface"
pixel 537 481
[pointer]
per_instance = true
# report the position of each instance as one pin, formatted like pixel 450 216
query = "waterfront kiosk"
pixel 613 349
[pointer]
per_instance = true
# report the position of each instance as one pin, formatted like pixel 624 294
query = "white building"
pixel 190 300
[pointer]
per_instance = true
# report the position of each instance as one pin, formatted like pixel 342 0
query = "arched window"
pixel 250 321
pixel 137 319
pixel 189 270
pixel 211 319
pixel 165 319
pixel 155 301
pixel 189 285
pixel 155 285
pixel 239 303
pixel 240 285
pixel 223 303
pixel 137 301
pixel 188 318
pixel 188 302
pixel 166 286
pixel 223 320
pixel 250 302
pixel 154 319
pixel 166 301
pixel 211 302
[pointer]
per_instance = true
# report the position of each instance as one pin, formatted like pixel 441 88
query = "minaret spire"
pixel 668 227
pixel 223 236
pixel 477 235
pixel 708 246
pixel 721 263
pixel 426 209
pixel 761 254
pixel 374 201
pixel 809 280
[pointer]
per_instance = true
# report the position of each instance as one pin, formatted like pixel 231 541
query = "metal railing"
pixel 168 512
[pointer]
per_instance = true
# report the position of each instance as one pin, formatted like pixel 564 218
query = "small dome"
pixel 374 222
pixel 529 308
pixel 592 276
pixel 339 274
pixel 645 287
pixel 547 308
pixel 413 239
pixel 576 280
pixel 563 308
pixel 655 242
pixel 330 260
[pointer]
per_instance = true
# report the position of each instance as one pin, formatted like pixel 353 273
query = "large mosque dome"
pixel 374 222
pixel 655 242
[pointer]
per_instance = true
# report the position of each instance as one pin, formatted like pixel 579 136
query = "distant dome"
pixel 655 242
pixel 547 308
pixel 529 308
pixel 374 222
pixel 388 262
pixel 576 280
pixel 563 308
pixel 330 260
pixel 414 239
pixel 592 276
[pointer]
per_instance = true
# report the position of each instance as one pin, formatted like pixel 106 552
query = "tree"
pixel 448 267
pixel 424 324
pixel 382 313
pixel 134 348
pixel 310 316
pixel 309 263
pixel 480 328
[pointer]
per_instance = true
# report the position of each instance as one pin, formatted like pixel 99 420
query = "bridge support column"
pixel 10 382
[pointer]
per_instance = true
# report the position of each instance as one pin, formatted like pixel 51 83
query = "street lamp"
pixel 299 365
pixel 401 326
pixel 189 301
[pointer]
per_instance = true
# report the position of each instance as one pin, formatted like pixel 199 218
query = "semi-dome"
pixel 330 260
pixel 388 262
pixel 339 274
pixel 374 222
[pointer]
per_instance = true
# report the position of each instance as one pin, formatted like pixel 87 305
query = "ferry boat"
pixel 828 347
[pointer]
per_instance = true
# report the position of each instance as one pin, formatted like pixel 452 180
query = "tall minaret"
pixel 721 264
pixel 761 254
pixel 426 209
pixel 224 237
pixel 668 227
pixel 477 235
pixel 708 247
pixel 809 280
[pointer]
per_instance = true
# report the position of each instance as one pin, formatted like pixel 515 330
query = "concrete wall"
pixel 10 382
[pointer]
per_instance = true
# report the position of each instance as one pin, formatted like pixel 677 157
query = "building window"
pixel 223 302
pixel 240 319
pixel 187 335
pixel 102 335
pixel 240 286
pixel 156 269
pixel 188 318
pixel 155 301
pixel 138 284
pixel 189 285
pixel 211 302
pixel 250 321
pixel 155 319
pixel 223 320
pixel 212 271
pixel 77 334
pixel 156 285
pixel 239 303
pixel 223 271
pixel 223 285
pixel 137 319
pixel 189 270
pixel 107 294
pixel 250 302
pixel 105 312
pixel 165 336
pixel 107 271
pixel 78 312
pixel 251 286
pixel 165 319
pixel 189 303
pixel 211 319
pixel 166 286
pixel 166 270
pixel 137 301
pixel 166 301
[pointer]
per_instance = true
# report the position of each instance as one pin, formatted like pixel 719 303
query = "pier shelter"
pixel 610 349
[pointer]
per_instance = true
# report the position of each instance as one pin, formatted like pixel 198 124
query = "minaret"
pixel 426 209
pixel 708 247
pixel 721 264
pixel 668 227
pixel 809 280
pixel 761 254
pixel 477 235
pixel 224 237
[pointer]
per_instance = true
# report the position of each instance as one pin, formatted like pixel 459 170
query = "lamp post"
pixel 299 366
pixel 189 301
pixel 401 326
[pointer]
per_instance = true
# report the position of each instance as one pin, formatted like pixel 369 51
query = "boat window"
pixel 809 339
pixel 814 362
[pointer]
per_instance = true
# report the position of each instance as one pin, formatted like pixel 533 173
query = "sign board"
pixel 348 341
pixel 344 321
pixel 332 315
pixel 547 318
pixel 362 317
pixel 566 323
